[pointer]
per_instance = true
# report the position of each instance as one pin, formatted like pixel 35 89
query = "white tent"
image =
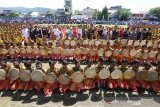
pixel 79 17
pixel 35 14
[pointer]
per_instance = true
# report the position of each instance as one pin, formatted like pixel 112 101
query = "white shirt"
pixel 25 33
pixel 80 31
pixel 56 32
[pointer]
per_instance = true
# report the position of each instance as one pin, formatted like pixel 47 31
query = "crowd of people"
pixel 66 20
pixel 115 57
pixel 77 79
pixel 85 42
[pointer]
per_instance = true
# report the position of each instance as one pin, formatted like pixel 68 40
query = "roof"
pixel 34 14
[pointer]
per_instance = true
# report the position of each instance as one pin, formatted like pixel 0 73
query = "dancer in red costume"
pixel 131 83
pixel 4 84
pixel 50 87
pixel 64 71
pixel 145 83
pixel 89 83
pixel 100 66
pixel 121 82
pixel 16 84
pixel 111 82
pixel 30 84
pixel 39 85
pixel 156 84
pixel 77 86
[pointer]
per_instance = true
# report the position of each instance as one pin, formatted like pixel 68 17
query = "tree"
pixel 13 14
pixel 105 13
pixel 97 15
pixel 29 13
pixel 155 12
pixel 122 14
pixel 50 14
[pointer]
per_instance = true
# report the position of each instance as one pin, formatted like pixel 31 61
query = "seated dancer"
pixel 2 52
pixel 30 84
pixel 11 51
pixel 17 49
pixel 5 82
pixel 89 81
pixel 16 83
pixel 123 68
pixel 77 86
pixel 144 82
pixel 50 49
pixel 51 85
pixel 156 84
pixel 64 72
pixel 85 52
pixel 100 52
pixel 77 53
pixel 116 52
pixel 57 51
pixel 109 49
pixel 39 85
pixel 92 53
pixel 131 82
pixel 99 67
pixel 112 83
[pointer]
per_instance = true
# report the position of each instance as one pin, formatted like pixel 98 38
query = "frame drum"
pixel 2 74
pixel 116 74
pixel 77 77
pixel 90 73
pixel 37 75
pixel 25 75
pixel 64 79
pixel 104 73
pixel 50 77
pixel 13 73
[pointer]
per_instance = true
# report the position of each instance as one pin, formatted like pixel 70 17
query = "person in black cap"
pixel 16 63
pixel 89 64
pixel 4 65
pixel 39 66
pixel 27 65
pixel 158 69
pixel 147 66
pixel 100 64
pixel 113 64
pixel 135 65
pixel 52 67
pixel 77 66
pixel 124 66
pixel 64 69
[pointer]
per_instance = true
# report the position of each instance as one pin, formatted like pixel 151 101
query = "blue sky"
pixel 134 5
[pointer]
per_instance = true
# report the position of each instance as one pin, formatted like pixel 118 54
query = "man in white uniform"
pixel 25 33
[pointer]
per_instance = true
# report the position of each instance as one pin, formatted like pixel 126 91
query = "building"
pixel 34 14
pixel 7 11
pixel 60 12
pixel 68 7
pixel 140 15
pixel 86 12
pixel 113 9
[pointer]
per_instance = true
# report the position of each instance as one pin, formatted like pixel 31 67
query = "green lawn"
pixel 124 26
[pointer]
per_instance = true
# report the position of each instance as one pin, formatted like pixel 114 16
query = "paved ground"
pixel 93 98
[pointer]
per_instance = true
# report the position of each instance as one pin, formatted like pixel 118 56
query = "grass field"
pixel 124 26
